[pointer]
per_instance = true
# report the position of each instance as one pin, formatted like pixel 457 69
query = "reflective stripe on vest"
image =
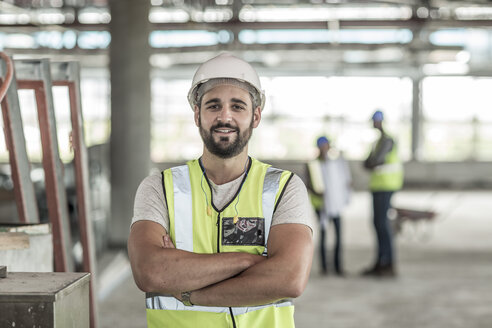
pixel 160 302
pixel 182 196
pixel 270 188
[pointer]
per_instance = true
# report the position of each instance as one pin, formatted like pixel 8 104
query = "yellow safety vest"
pixel 317 183
pixel 388 176
pixel 242 225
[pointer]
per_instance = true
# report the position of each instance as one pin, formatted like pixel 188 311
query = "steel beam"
pixel 431 24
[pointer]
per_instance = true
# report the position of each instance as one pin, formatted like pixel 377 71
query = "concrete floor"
pixel 445 272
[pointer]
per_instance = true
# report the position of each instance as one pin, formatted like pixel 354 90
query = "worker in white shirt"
pixel 330 188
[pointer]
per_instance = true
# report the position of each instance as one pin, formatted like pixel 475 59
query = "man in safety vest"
pixel 330 186
pixel 225 240
pixel 386 178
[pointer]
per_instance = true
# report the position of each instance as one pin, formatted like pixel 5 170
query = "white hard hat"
pixel 226 66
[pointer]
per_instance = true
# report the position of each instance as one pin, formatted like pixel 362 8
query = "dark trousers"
pixel 337 261
pixel 381 204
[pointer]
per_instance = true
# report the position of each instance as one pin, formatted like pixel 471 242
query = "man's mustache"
pixel 223 125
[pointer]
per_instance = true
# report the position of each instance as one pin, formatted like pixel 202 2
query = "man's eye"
pixel 213 107
pixel 238 107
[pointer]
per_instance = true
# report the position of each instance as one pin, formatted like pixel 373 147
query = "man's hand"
pixel 166 242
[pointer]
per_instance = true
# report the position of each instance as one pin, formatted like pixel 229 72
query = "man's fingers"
pixel 165 239
pixel 167 242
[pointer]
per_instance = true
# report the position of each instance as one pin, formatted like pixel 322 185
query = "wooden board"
pixel 31 229
pixel 14 240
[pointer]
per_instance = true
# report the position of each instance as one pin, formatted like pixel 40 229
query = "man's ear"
pixel 256 116
pixel 197 116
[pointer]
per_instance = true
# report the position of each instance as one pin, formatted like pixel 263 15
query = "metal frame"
pixel 36 75
pixel 67 74
pixel 25 197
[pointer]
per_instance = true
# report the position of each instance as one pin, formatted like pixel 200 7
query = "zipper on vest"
pixel 232 317
pixel 218 232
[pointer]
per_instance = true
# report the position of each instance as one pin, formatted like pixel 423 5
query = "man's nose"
pixel 225 114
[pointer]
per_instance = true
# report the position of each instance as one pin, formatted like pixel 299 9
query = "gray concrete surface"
pixel 130 140
pixel 445 272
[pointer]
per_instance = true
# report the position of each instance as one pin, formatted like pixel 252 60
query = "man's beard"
pixel 224 148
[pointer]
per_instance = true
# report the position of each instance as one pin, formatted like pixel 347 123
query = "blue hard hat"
pixel 322 140
pixel 378 116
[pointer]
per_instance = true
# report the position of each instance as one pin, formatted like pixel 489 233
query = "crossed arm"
pixel 377 156
pixel 224 279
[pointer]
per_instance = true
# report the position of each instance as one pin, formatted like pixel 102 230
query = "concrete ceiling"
pixel 424 17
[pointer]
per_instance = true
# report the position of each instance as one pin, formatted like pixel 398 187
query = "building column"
pixel 130 110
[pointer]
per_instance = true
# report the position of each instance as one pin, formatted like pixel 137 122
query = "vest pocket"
pixel 245 231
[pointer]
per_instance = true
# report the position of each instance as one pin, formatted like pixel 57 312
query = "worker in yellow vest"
pixel 224 240
pixel 386 178
pixel 329 189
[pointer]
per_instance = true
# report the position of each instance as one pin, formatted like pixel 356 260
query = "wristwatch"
pixel 185 298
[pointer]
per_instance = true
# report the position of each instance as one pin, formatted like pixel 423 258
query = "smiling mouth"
pixel 225 130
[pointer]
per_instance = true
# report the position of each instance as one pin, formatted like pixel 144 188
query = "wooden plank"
pixel 14 240
pixel 31 229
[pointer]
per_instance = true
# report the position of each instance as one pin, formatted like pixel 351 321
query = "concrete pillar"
pixel 416 118
pixel 130 109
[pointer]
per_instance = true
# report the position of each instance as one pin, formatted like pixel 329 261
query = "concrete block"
pixel 52 299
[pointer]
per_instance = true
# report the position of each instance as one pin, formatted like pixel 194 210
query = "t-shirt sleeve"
pixel 150 203
pixel 294 206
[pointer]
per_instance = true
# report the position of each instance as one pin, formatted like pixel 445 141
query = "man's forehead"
pixel 217 99
pixel 227 93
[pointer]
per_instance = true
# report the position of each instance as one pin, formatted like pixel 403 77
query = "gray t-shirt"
pixel 294 206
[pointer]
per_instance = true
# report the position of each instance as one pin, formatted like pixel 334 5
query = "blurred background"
pixel 326 66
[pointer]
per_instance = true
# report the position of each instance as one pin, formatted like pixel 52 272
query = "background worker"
pixel 330 187
pixel 225 240
pixel 386 178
